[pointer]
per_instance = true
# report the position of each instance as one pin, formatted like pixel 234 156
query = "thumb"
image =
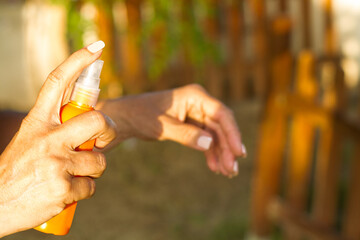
pixel 185 134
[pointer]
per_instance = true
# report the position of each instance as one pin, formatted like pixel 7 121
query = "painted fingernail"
pixel 96 46
pixel 204 142
pixel 243 148
pixel 236 167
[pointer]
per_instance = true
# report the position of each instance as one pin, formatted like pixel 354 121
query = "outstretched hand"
pixel 188 115
pixel 37 168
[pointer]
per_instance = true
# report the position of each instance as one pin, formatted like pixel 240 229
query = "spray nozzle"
pixel 90 76
pixel 86 89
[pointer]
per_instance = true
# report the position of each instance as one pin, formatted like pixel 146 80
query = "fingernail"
pixel 236 167
pixel 243 148
pixel 204 142
pixel 96 46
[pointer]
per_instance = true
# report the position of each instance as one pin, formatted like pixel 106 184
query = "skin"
pixel 181 115
pixel 38 166
pixel 33 194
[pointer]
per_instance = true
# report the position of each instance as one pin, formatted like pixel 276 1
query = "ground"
pixel 162 190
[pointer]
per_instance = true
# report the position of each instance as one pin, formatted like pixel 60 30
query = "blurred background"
pixel 288 68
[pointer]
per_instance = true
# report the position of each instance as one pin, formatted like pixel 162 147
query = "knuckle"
pixel 188 135
pixel 224 111
pixel 92 187
pixel 101 162
pixel 78 56
pixel 62 189
pixel 98 119
pixel 110 127
pixel 196 87
pixel 229 112
pixel 56 76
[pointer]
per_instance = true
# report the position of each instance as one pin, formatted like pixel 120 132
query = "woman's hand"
pixel 37 168
pixel 188 115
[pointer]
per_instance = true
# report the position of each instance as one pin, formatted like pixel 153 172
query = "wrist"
pixel 117 110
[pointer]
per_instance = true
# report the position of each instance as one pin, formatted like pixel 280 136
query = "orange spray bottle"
pixel 83 99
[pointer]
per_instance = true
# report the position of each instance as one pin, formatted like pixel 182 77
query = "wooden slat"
pixel 132 60
pixel 260 43
pixel 186 70
pixel 329 161
pixel 351 229
pixel 326 178
pixel 271 146
pixel 214 80
pixel 302 141
pixel 237 72
pixel 266 177
pixel 351 218
pixel 330 47
pixel 306 23
pixel 110 85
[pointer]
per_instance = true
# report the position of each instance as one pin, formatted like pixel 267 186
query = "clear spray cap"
pixel 90 76
pixel 86 89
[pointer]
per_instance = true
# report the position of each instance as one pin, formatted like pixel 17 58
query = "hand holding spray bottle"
pixel 83 99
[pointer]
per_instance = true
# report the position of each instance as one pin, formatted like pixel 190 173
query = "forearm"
pixel 10 122
pixel 116 109
pixel 137 115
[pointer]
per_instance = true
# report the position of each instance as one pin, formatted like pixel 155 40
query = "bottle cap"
pixel 90 76
pixel 86 89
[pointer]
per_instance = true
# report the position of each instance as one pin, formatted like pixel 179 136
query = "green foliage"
pixel 180 30
pixel 170 30
pixel 76 26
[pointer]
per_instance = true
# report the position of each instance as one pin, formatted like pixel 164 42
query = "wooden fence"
pixel 234 76
pixel 307 171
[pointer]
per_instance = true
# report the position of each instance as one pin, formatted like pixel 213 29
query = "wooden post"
pixel 351 230
pixel 187 70
pixel 214 81
pixel 328 164
pixel 260 41
pixel 330 145
pixel 306 23
pixel 273 134
pixel 302 140
pixel 273 129
pixel 326 177
pixel 236 69
pixel 110 84
pixel 132 60
pixel 269 162
pixel 330 47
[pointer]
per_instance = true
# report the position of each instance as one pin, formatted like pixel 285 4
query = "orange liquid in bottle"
pixel 61 223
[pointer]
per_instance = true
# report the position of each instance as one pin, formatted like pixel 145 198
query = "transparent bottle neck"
pixel 84 95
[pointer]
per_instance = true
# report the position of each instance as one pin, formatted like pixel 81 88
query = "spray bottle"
pixel 83 99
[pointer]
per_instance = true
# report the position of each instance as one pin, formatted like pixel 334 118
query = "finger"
pixel 186 134
pixel 81 188
pixel 86 163
pixel 218 112
pixel 212 161
pixel 87 126
pixel 227 122
pixel 222 169
pixel 54 88
pixel 221 146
